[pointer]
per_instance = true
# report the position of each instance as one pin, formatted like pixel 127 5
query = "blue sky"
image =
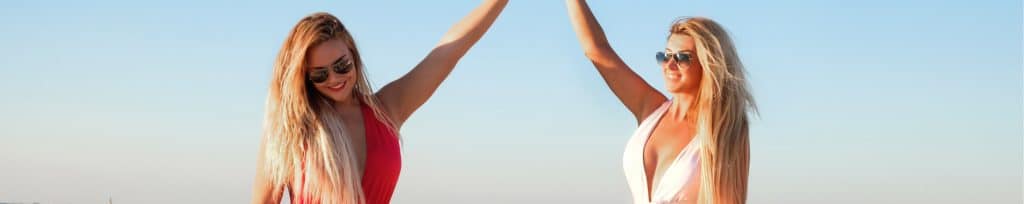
pixel 861 101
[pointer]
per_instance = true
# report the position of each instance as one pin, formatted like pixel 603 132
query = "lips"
pixel 338 87
pixel 673 75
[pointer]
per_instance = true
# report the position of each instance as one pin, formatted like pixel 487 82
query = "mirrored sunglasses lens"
pixel 661 57
pixel 318 76
pixel 343 68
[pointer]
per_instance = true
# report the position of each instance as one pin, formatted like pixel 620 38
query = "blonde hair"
pixel 722 103
pixel 302 131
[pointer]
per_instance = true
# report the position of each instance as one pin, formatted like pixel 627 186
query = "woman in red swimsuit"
pixel 328 137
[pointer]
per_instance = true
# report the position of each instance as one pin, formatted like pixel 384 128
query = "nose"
pixel 671 65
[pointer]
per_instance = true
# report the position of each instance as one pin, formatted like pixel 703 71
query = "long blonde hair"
pixel 303 134
pixel 723 100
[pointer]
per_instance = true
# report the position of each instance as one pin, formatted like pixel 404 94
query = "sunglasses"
pixel 680 57
pixel 320 75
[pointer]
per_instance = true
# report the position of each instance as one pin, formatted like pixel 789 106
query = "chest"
pixel 664 145
pixel 355 130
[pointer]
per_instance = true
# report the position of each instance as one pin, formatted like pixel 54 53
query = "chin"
pixel 674 84
pixel 335 98
pixel 680 87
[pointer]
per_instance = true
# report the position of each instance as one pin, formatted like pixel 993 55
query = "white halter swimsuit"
pixel 679 182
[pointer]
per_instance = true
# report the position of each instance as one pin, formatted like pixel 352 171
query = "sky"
pixel 859 101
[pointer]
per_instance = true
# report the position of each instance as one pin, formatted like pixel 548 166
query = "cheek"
pixel 322 89
pixel 695 70
pixel 351 78
pixel 350 81
pixel 695 73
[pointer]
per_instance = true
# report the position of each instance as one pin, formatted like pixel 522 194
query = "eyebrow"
pixel 343 58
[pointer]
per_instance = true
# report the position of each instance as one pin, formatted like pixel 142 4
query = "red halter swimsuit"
pixel 383 162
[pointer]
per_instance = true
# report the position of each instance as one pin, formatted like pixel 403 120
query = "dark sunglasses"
pixel 320 75
pixel 680 57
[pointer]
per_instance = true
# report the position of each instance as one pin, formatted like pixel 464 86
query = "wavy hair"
pixel 722 103
pixel 302 132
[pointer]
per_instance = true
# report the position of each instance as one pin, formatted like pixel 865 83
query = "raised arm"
pixel 406 94
pixel 639 97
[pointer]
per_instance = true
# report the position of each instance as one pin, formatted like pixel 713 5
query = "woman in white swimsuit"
pixel 691 146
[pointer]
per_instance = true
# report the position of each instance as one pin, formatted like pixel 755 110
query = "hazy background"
pixel 861 101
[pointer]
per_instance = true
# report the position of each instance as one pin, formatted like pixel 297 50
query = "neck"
pixel 351 104
pixel 681 108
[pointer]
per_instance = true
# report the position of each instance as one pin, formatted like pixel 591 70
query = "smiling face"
pixel 682 76
pixel 329 58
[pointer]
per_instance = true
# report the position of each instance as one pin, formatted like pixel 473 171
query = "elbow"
pixel 592 53
pixel 449 40
pixel 596 51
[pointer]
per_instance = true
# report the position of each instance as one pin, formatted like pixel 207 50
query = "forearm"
pixel 471 28
pixel 588 30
